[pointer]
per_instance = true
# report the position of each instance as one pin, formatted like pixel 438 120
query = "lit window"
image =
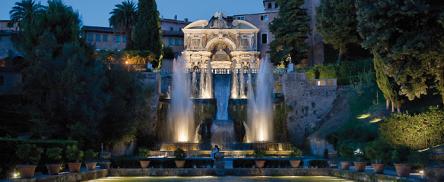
pixel 98 38
pixel 264 38
pixel 105 38
pixel 2 63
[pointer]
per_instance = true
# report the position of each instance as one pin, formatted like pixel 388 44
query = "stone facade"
pixel 225 42
pixel 309 103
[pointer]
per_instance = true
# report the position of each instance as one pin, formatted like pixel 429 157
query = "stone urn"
pixel 260 163
pixel 26 171
pixel 180 163
pixel 295 163
pixel 345 165
pixel 53 169
pixel 378 168
pixel 74 167
pixel 360 166
pixel 91 165
pixel 403 169
pixel 144 163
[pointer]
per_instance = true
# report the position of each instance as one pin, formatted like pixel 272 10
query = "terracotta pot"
pixel 260 163
pixel 144 164
pixel 345 165
pixel 74 167
pixel 360 166
pixel 180 163
pixel 402 170
pixel 53 169
pixel 26 171
pixel 378 168
pixel 295 163
pixel 105 165
pixel 91 165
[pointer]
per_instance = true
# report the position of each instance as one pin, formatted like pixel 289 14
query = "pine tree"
pixel 291 30
pixel 147 31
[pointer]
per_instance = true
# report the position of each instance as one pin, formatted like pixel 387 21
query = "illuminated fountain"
pixel 206 82
pixel 260 105
pixel 181 121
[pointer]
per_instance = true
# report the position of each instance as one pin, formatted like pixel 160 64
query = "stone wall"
pixel 308 105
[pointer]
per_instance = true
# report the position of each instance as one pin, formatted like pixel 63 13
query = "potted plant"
pixel 345 153
pixel 179 156
pixel 143 158
pixel 259 161
pixel 295 158
pixel 375 151
pixel 359 161
pixel 54 160
pixel 28 156
pixel 74 157
pixel 105 160
pixel 90 159
pixel 399 159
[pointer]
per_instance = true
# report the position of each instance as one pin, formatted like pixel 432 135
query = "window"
pixel 264 17
pixel 269 6
pixel 117 38
pixel 177 42
pixel 241 17
pixel 105 37
pixel 171 28
pixel 98 38
pixel 124 39
pixel 264 38
pixel 276 5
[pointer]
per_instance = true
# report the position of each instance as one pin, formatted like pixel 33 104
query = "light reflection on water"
pixel 225 179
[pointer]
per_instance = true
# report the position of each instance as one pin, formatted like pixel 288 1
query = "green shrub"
pixel 259 154
pixel 400 155
pixel 90 156
pixel 346 150
pixel 180 154
pixel 73 154
pixel 144 153
pixel 54 155
pixel 377 151
pixel 296 153
pixel 327 72
pixel 29 154
pixel 415 131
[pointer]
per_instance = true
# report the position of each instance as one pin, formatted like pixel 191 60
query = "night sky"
pixel 96 12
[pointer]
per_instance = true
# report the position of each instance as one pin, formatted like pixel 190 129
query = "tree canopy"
pixel 123 18
pixel 291 30
pixel 336 22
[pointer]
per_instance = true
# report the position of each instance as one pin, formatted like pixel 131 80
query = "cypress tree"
pixel 147 31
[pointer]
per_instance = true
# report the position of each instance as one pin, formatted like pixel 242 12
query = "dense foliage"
pixel 291 30
pixel 336 22
pixel 69 91
pixel 407 36
pixel 147 29
pixel 418 131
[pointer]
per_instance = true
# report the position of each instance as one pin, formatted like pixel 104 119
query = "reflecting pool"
pixel 224 179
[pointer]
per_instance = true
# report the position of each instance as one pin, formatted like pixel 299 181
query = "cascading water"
pixel 242 84
pixel 235 83
pixel 206 82
pixel 260 105
pixel 181 121
pixel 193 84
pixel 222 85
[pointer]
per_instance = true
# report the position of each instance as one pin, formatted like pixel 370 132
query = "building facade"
pixel 223 43
pixel 106 38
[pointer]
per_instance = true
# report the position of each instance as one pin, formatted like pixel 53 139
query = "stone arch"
pixel 213 42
